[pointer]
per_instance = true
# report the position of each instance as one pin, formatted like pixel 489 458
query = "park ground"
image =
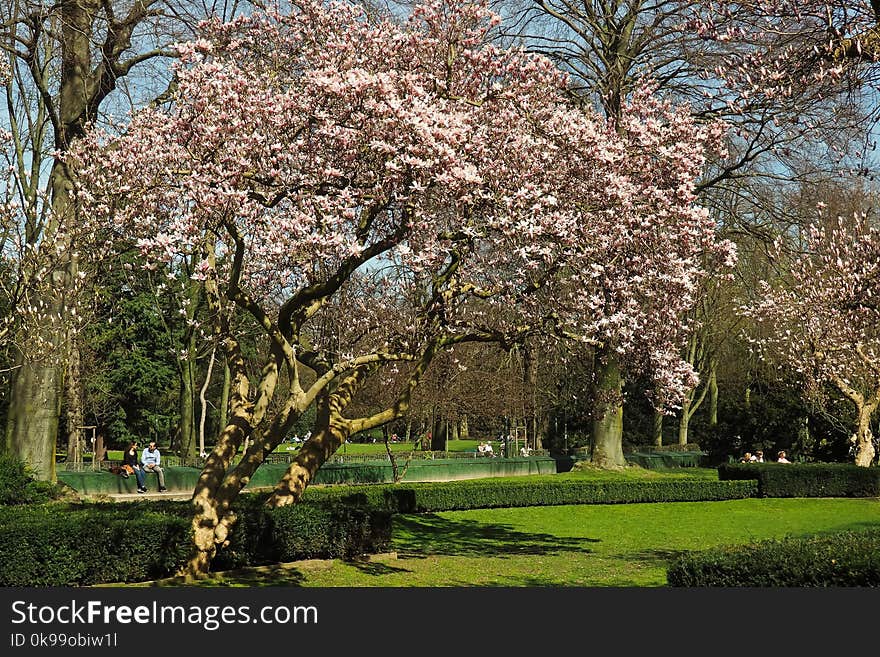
pixel 596 545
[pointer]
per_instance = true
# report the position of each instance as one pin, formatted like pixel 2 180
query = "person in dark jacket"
pixel 130 458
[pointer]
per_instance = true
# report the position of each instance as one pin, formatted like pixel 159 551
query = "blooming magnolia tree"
pixel 779 51
pixel 825 321
pixel 370 193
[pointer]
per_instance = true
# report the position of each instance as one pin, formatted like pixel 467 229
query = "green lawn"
pixel 625 545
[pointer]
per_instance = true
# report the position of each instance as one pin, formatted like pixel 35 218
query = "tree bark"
pixel 186 407
pixel 439 435
pixel 76 31
pixel 32 423
pixel 73 399
pixel 607 426
pixel 713 398
pixel 684 422
pixel 658 429
pixel 863 437
pixel 324 442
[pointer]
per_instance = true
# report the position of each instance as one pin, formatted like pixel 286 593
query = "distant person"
pixel 747 458
pixel 489 450
pixel 130 459
pixel 526 450
pixel 759 456
pixel 780 458
pixel 151 460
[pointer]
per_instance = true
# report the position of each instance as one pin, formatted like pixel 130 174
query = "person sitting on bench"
pixel 130 458
pixel 150 460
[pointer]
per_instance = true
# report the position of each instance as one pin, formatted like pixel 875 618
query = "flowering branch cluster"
pixel 824 321
pixel 311 149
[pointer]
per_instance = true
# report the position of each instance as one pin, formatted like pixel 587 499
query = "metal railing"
pixel 171 460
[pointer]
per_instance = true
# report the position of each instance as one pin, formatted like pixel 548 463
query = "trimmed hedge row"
pixel 72 545
pixel 56 545
pixel 309 530
pixel 489 493
pixel 831 560
pixel 806 479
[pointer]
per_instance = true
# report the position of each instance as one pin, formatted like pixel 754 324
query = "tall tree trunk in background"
pixel 188 369
pixel 713 398
pixel 692 403
pixel 186 445
pixel 530 376
pixel 542 429
pixel 439 434
pixel 70 56
pixel 657 433
pixel 607 426
pixel 74 403
pixel 684 421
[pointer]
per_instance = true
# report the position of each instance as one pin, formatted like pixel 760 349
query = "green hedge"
pixel 319 529
pixel 491 493
pixel 806 479
pixel 18 486
pixel 842 559
pixel 332 531
pixel 81 544
pixel 73 545
pixel 55 545
pixel 666 459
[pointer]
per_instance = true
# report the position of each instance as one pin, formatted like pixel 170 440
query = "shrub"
pixel 841 559
pixel 18 486
pixel 490 493
pixel 71 545
pixel 806 479
pixel 672 447
pixel 56 545
pixel 329 530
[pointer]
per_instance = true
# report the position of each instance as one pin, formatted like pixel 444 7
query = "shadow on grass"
pixel 271 575
pixel 666 557
pixel 376 568
pixel 431 534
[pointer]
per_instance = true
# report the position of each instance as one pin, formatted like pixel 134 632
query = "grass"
pixel 626 545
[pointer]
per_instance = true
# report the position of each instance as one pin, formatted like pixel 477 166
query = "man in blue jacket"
pixel 150 459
